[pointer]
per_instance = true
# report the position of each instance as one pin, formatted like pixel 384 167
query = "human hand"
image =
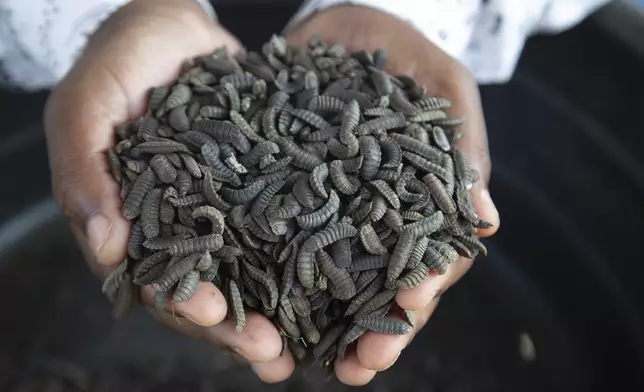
pixel 409 53
pixel 142 45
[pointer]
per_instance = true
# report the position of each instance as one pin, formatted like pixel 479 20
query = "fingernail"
pixel 98 232
pixel 393 362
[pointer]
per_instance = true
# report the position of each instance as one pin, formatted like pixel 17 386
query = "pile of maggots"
pixel 306 183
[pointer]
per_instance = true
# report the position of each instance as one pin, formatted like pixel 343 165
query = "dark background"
pixel 566 136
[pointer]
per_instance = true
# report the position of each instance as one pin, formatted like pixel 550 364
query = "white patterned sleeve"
pixel 486 35
pixel 41 39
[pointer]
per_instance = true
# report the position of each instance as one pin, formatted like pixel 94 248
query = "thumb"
pixel 79 131
pixel 474 145
pixel 141 45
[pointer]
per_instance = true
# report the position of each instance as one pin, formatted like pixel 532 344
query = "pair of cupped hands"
pixel 143 45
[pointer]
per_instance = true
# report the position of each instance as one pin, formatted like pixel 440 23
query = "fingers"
pixel 378 351
pixel 206 307
pixel 276 370
pixel 445 76
pixel 433 286
pixel 351 372
pixel 259 341
pixel 466 102
pixel 258 344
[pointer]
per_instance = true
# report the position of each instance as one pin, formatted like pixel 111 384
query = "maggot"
pixel 366 294
pixel 342 182
pixel 381 299
pixel 253 156
pixel 186 287
pixel 366 262
pixel 266 281
pixel 378 207
pixel 178 119
pixel 401 103
pixel 388 193
pixel 188 201
pixel 301 159
pixel 317 178
pixel 156 96
pixel 261 202
pixel 370 240
pixel 224 132
pixel 303 192
pixel 414 277
pixel 317 241
pixel 385 123
pixel 125 298
pixel 386 325
pixel 392 151
pixel 400 256
pixel 115 165
pixel 135 242
pixel 215 217
pixel 179 95
pixel 340 279
pixel 418 252
pixel 289 209
pixel 427 166
pixel 244 195
pixel 465 205
pixel 425 226
pixel 113 282
pixel 158 147
pixel 142 185
pixel 150 213
pixel 319 217
pixel 191 165
pixel 175 272
pixel 182 184
pixel 237 306
pixel 341 253
pixel 372 155
pixel 150 268
pixel 210 243
pixel 418 147
pixel 439 194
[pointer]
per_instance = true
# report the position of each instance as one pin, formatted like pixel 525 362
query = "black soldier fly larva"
pixel 307 184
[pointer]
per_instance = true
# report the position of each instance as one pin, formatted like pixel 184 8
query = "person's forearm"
pixel 40 40
pixel 487 36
